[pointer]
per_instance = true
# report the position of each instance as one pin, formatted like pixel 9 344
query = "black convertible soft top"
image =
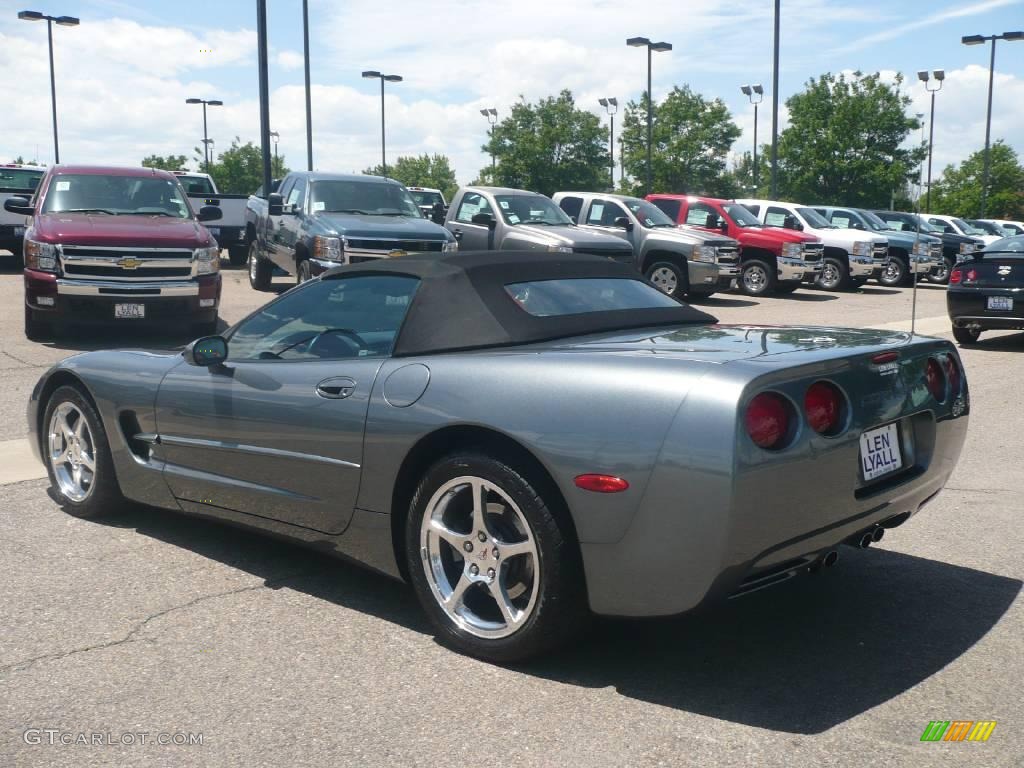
pixel 462 303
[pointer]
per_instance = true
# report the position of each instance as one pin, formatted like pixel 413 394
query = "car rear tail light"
pixel 934 379
pixel 601 483
pixel 885 357
pixel 953 375
pixel 769 417
pixel 955 276
pixel 823 406
pixel 971 276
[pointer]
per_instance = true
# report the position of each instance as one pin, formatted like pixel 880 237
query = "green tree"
pixel 691 138
pixel 169 163
pixel 238 170
pixel 844 144
pixel 547 147
pixel 19 160
pixel 958 192
pixel 421 171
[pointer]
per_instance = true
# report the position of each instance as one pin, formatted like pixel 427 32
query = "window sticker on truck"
pixel 63 186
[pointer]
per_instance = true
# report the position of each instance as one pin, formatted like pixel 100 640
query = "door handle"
pixel 336 388
pixel 457 233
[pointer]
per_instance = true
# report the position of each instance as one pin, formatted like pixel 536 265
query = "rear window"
pixel 576 296
pixel 669 207
pixel 20 178
pixel 196 185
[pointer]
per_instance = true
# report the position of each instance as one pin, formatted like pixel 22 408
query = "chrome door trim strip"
pixel 223 445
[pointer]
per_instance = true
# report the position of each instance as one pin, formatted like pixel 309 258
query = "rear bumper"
pixel 969 307
pixel 228 237
pixel 92 301
pixel 11 236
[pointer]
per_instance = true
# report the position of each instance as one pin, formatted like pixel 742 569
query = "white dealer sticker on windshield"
pixel 63 186
pixel 318 206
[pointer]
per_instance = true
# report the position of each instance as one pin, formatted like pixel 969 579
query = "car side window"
pixel 754 209
pixel 349 317
pixel 702 215
pixel 297 194
pixel 472 204
pixel 603 213
pixel 845 219
pixel 670 208
pixel 572 207
pixel 775 216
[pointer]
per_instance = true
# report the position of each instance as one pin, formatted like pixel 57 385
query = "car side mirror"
pixel 19 205
pixel 623 223
pixel 484 220
pixel 207 352
pixel 210 213
pixel 275 204
pixel 723 225
pixel 790 222
pixel 438 213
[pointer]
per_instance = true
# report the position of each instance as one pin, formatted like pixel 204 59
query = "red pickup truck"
pixel 117 244
pixel 772 260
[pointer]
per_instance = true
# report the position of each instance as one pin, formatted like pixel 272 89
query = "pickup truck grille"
pixel 880 251
pixel 727 254
pixel 813 252
pixel 127 264
pixel 363 249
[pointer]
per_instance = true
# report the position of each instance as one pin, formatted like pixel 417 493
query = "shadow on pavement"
pixel 868 290
pixel 721 301
pixel 1009 343
pixel 802 295
pixel 800 658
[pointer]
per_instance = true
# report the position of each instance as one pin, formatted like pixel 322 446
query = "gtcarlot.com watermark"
pixel 57 737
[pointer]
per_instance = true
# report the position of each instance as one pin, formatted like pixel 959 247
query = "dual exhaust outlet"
pixel 860 540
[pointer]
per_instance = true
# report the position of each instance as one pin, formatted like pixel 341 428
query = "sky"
pixel 123 75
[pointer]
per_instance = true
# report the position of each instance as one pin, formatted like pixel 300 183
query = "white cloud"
pixel 289 60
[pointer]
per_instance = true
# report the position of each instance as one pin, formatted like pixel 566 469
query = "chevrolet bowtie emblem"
pixel 129 262
pixel 396 253
pixel 1004 270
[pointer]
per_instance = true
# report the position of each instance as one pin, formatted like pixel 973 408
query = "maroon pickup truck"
pixel 117 245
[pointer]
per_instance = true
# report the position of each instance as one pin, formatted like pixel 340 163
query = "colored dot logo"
pixel 206 50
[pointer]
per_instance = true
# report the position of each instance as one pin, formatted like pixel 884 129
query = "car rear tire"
pixel 237 255
pixel 834 275
pixel 787 286
pixel 36 330
pixel 668 277
pixel 495 573
pixel 966 336
pixel 894 273
pixel 940 276
pixel 77 456
pixel 757 277
pixel 260 270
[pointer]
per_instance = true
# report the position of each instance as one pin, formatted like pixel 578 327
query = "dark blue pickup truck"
pixel 316 221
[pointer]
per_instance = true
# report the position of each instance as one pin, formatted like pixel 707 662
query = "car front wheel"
pixel 668 277
pixel 894 273
pixel 259 269
pixel 490 564
pixel 757 277
pixel 834 275
pixel 940 275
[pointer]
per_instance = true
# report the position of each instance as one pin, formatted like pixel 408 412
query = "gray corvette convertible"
pixel 528 439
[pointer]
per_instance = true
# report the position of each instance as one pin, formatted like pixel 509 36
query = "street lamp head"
pixel 603 102
pixel 493 111
pixel 274 135
pixel 972 39
pixel 30 16
pixel 215 103
pixel 940 74
pixel 371 73
pixel 613 101
pixel 746 90
pixel 392 78
pixel 637 42
pixel 484 112
pixel 193 101
pixel 67 21
pixel 759 90
pixel 1013 35
pixel 922 75
pixel 660 47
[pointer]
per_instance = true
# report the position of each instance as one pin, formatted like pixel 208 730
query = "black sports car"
pixel 986 291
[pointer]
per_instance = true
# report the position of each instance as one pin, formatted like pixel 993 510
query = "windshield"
pixel 741 216
pixel 873 221
pixel 648 214
pixel 374 198
pixel 988 227
pixel 426 199
pixel 116 196
pixel 1014 244
pixel 530 209
pixel 967 229
pixel 197 185
pixel 20 178
pixel 815 219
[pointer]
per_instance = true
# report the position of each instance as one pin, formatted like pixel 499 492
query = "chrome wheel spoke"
pixel 59 458
pixel 514 549
pixel 88 462
pixel 446 534
pixel 454 601
pixel 509 612
pixel 479 491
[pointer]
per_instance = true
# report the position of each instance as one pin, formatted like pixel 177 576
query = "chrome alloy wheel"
pixel 480 557
pixel 941 274
pixel 253 265
pixel 830 275
pixel 72 452
pixel 665 280
pixel 892 271
pixel 755 278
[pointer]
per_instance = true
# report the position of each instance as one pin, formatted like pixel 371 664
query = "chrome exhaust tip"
pixel 865 540
pixel 877 534
pixel 830 559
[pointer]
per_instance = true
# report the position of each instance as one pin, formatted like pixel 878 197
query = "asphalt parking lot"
pixel 159 624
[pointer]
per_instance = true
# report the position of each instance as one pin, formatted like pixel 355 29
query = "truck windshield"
pixel 426 199
pixel 741 216
pixel 967 229
pixel 20 178
pixel 116 196
pixel 373 198
pixel 873 222
pixel 648 214
pixel 815 219
pixel 197 185
pixel 530 209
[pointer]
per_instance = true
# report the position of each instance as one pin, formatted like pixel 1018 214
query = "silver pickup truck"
pixel 680 261
pixel 230 230
pixel 500 219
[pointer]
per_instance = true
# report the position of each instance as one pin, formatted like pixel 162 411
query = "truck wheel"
pixel 940 275
pixel 668 277
pixel 237 254
pixel 787 286
pixel 303 272
pixel 834 275
pixel 757 277
pixel 36 330
pixel 965 336
pixel 894 273
pixel 259 269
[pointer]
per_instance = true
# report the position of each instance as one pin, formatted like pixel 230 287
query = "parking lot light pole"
pixel 206 138
pixel 643 42
pixel 923 76
pixel 309 106
pixel 920 171
pixel 64 21
pixel 492 117
pixel 979 40
pixel 756 95
pixel 611 106
pixel 775 104
pixel 374 74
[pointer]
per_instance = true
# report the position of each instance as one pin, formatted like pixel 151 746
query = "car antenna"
pixel 913 266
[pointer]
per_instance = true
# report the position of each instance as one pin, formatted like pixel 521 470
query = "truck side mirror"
pixel 438 213
pixel 723 225
pixel 484 220
pixel 790 222
pixel 275 204
pixel 623 223
pixel 19 205
pixel 210 213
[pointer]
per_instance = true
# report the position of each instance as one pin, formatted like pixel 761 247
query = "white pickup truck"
pixel 18 180
pixel 230 230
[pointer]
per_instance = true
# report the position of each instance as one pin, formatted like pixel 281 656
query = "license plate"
pixel 130 311
pixel 880 451
pixel 1004 303
pixel 215 231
